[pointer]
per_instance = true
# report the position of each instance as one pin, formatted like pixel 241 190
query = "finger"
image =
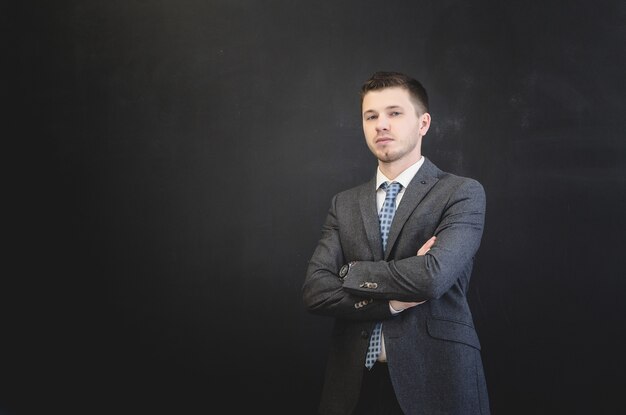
pixel 427 245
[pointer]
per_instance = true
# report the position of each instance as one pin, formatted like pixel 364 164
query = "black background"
pixel 168 166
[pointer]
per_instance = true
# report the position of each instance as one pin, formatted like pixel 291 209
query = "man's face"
pixel 393 129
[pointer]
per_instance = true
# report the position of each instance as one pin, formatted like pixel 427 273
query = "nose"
pixel 382 123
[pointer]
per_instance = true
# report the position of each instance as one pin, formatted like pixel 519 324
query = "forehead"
pixel 378 100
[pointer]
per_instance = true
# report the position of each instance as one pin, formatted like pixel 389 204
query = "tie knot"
pixel 392 189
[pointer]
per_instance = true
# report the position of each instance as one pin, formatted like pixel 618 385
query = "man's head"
pixel 395 118
pixel 382 80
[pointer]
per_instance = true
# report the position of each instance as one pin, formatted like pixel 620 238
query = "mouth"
pixel 383 140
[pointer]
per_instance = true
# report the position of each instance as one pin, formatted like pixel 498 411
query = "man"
pixel 403 340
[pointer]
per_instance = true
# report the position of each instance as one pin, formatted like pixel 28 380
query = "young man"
pixel 393 267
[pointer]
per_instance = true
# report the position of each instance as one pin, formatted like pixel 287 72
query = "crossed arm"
pixel 372 287
pixel 403 305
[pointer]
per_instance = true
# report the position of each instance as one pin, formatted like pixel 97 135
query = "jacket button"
pixel 364 334
pixel 423 181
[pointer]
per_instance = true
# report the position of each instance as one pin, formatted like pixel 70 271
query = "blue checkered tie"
pixel 385 217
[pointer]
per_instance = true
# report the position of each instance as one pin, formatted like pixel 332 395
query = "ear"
pixel 424 123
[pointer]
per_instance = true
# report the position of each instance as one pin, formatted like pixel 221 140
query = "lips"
pixel 383 140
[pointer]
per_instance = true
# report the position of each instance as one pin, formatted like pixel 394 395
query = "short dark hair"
pixel 382 80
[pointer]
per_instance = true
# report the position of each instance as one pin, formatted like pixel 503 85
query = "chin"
pixel 387 158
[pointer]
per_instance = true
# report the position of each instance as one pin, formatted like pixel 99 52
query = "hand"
pixel 426 247
pixel 403 305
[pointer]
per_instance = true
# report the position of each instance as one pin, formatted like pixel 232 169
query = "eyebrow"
pixel 391 107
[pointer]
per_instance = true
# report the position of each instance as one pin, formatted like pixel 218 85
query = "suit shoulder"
pixel 461 181
pixel 451 180
pixel 462 188
pixel 353 192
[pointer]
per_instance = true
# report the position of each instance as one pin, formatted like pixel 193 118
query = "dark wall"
pixel 170 163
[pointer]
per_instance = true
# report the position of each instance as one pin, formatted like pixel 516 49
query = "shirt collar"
pixel 403 178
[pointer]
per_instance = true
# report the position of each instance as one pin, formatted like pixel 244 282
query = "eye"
pixel 395 113
pixel 370 117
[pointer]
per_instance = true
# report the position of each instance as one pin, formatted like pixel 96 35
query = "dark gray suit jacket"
pixel 433 352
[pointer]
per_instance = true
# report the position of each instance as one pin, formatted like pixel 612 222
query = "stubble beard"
pixel 387 156
pixel 391 155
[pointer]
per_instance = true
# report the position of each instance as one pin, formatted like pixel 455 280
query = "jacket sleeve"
pixel 419 278
pixel 323 291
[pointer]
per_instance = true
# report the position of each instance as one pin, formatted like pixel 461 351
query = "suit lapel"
pixel 419 186
pixel 367 204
